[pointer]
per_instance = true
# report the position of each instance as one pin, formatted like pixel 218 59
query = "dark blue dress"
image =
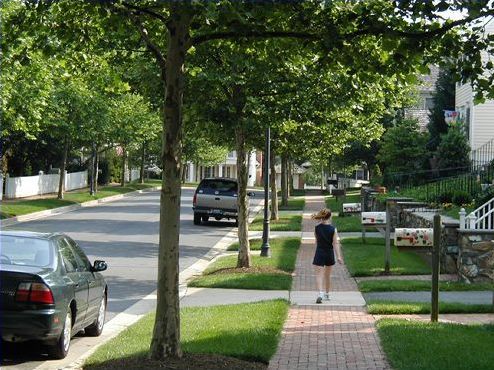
pixel 324 251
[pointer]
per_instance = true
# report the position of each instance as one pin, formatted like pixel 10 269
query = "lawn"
pixel 294 204
pixel 422 346
pixel 266 273
pixel 246 331
pixel 454 211
pixel 383 307
pixel 11 208
pixel 337 205
pixel 418 285
pixel 347 223
pixel 285 223
pixel 368 259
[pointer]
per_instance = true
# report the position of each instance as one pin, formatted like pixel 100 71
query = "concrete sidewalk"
pixel 338 334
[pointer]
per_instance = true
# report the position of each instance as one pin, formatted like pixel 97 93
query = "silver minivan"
pixel 215 197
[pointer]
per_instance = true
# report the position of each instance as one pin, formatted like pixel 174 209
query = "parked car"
pixel 49 291
pixel 216 197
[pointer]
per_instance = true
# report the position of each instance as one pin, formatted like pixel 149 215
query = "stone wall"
pixel 476 256
pixel 449 235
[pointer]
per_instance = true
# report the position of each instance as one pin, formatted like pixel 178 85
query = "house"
pixel 297 175
pixel 425 98
pixel 477 119
pixel 196 172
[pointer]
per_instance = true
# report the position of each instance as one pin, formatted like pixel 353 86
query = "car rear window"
pixel 217 187
pixel 19 250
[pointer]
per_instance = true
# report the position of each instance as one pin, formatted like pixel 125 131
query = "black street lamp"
pixel 265 250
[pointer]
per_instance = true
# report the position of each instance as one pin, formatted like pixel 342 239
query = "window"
pixel 83 262
pixel 429 103
pixel 69 260
pixel 19 250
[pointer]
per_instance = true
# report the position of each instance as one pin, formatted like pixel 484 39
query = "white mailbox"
pixel 351 207
pixel 414 237
pixel 373 218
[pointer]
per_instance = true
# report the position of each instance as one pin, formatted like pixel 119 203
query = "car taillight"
pixel 34 293
pixel 194 200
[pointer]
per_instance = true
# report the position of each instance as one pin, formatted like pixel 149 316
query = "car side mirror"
pixel 251 194
pixel 99 266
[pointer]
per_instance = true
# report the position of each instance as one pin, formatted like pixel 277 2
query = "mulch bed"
pixel 189 361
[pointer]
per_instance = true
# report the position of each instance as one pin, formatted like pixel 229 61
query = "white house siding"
pixel 481 116
pixel 197 172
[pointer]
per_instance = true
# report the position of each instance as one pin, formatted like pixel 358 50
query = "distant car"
pixel 49 291
pixel 153 171
pixel 216 197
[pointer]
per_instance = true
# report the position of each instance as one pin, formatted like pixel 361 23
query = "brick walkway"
pixel 324 336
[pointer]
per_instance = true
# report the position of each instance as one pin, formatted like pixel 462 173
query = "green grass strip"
pixel 247 331
pixel 267 273
pixel 419 285
pixel 413 345
pixel 285 223
pixel 294 204
pixel 11 208
pixel 337 205
pixel 347 223
pixel 384 307
pixel 368 259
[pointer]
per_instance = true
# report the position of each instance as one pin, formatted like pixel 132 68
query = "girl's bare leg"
pixel 327 278
pixel 319 277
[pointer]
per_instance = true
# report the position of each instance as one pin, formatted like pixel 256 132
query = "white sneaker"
pixel 326 296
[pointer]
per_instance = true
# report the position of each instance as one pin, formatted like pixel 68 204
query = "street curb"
pixel 61 210
pixel 128 317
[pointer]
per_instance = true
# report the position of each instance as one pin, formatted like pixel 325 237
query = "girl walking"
pixel 327 243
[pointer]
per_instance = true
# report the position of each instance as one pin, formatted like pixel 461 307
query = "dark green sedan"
pixel 49 291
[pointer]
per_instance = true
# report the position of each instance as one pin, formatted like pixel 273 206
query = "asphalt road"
pixel 124 233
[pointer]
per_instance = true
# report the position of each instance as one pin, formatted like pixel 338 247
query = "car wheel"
pixel 197 219
pixel 236 222
pixel 96 328
pixel 60 349
pixel 205 218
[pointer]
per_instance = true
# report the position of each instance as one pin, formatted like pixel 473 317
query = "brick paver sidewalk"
pixel 326 336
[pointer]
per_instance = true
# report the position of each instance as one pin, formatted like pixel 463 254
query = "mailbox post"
pixel 435 269
pixel 387 253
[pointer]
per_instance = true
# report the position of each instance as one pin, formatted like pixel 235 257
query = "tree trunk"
pixel 166 333
pixel 61 181
pixel 290 178
pixel 124 162
pixel 244 259
pixel 284 183
pixel 272 182
pixel 143 154
pixel 96 169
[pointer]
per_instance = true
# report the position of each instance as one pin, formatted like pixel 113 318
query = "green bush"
pixel 445 197
pixel 461 197
pixel 484 197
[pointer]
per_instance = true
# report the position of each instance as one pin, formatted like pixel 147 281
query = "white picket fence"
pixel 27 186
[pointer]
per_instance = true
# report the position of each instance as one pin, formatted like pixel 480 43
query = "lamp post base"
pixel 265 250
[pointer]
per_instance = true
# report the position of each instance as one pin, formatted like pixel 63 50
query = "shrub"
pixel 484 197
pixel 445 197
pixel 461 197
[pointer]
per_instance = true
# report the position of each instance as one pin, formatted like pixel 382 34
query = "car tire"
pixel 205 218
pixel 236 222
pixel 197 219
pixel 96 328
pixel 61 348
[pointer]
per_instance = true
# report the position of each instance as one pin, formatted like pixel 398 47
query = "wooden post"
pixel 435 269
pixel 362 209
pixel 387 254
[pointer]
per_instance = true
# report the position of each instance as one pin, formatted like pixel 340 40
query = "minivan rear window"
pixel 220 186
